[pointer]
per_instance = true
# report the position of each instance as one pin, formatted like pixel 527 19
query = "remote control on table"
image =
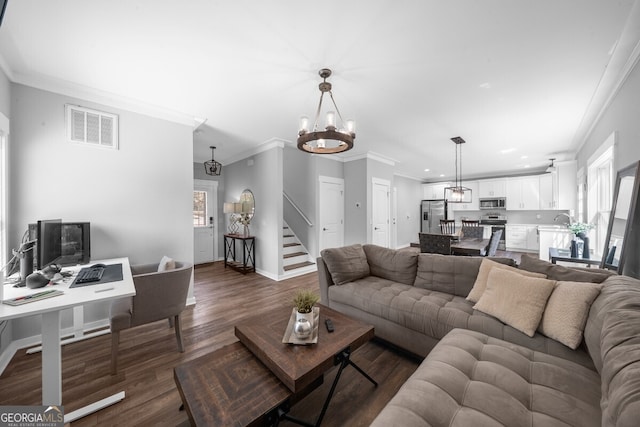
pixel 329 325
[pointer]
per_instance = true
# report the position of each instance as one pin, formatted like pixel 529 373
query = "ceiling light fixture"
pixel 211 167
pixel 331 140
pixel 457 193
pixel 551 167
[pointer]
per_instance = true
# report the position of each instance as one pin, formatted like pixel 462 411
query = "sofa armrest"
pixel 324 280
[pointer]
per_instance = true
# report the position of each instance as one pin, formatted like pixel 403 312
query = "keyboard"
pixel 91 274
pixel 34 297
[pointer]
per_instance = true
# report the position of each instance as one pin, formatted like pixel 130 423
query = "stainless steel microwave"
pixel 493 203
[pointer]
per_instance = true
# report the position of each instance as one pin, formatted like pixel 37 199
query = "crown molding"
pixel 624 58
pixel 67 88
pixel 413 178
pixel 371 155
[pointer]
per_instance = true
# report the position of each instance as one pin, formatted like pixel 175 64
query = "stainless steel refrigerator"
pixel 431 212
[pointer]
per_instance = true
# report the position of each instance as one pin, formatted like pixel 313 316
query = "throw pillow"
pixel 391 264
pixel 560 272
pixel 166 264
pixel 567 311
pixel 483 273
pixel 516 300
pixel 346 264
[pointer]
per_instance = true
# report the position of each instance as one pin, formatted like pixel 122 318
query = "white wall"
pixel 409 194
pixel 262 174
pixel 138 198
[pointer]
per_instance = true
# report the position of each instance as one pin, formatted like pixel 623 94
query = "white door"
pixel 381 212
pixel 331 213
pixel 205 219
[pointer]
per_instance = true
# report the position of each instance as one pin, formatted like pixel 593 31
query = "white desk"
pixel 50 309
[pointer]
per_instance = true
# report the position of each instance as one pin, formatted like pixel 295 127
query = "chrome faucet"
pixel 563 214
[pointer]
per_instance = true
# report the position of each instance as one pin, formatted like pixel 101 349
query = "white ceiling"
pixel 513 78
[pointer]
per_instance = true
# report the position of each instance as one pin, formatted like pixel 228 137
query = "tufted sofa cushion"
pixel 472 379
pixel 451 274
pixel 399 266
pixel 436 313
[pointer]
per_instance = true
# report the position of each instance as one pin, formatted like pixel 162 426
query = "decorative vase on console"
pixel 303 301
pixel 585 245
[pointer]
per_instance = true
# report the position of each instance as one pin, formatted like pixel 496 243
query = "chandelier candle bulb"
pixel 304 124
pixel 331 120
pixel 351 126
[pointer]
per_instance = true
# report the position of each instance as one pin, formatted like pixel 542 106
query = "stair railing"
pixel 306 219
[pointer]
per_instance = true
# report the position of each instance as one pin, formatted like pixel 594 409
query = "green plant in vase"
pixel 303 301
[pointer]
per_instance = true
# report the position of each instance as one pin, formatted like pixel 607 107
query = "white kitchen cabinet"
pixel 434 191
pixel 551 236
pixel 548 197
pixel 522 237
pixel 473 206
pixel 523 193
pixel 558 189
pixel 516 237
pixel 492 188
pixel 533 243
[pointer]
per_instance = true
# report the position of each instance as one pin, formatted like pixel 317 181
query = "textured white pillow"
pixel 483 273
pixel 516 300
pixel 567 310
pixel 166 264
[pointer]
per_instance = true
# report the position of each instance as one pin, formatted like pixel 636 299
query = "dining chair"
pixel 470 223
pixel 472 232
pixel 435 243
pixel 492 247
pixel 159 295
pixel 447 226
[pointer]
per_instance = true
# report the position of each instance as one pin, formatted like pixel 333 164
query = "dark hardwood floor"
pixel 149 353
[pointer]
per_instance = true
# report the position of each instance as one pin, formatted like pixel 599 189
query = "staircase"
pixel 295 260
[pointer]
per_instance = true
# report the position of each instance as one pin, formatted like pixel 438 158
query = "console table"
pixel 248 263
pixel 564 255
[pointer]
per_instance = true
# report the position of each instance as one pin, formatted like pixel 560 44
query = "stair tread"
pixel 288 235
pixel 298 265
pixel 294 254
pixel 288 245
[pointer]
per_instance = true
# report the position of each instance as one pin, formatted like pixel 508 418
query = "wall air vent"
pixel 91 127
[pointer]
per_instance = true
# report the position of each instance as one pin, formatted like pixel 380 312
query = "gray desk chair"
pixel 159 295
pixel 435 243
pixel 493 243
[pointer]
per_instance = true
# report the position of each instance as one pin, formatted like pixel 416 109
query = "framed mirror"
pixel 248 203
pixel 623 232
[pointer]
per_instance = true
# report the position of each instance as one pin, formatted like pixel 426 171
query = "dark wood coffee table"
pixel 260 378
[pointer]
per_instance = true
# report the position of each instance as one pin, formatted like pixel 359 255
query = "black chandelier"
pixel 331 140
pixel 211 167
pixel 457 193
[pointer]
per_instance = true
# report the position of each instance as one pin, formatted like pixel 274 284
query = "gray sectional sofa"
pixel 479 370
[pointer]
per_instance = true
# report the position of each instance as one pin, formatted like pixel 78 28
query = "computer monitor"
pixel 49 238
pixel 75 242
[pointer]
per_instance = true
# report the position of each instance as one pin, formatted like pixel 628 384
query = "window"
pixel 199 208
pixel 92 127
pixel 600 193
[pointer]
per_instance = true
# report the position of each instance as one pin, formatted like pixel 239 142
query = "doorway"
pixel 205 220
pixel 331 213
pixel 381 212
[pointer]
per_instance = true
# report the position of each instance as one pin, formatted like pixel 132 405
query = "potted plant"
pixel 303 302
